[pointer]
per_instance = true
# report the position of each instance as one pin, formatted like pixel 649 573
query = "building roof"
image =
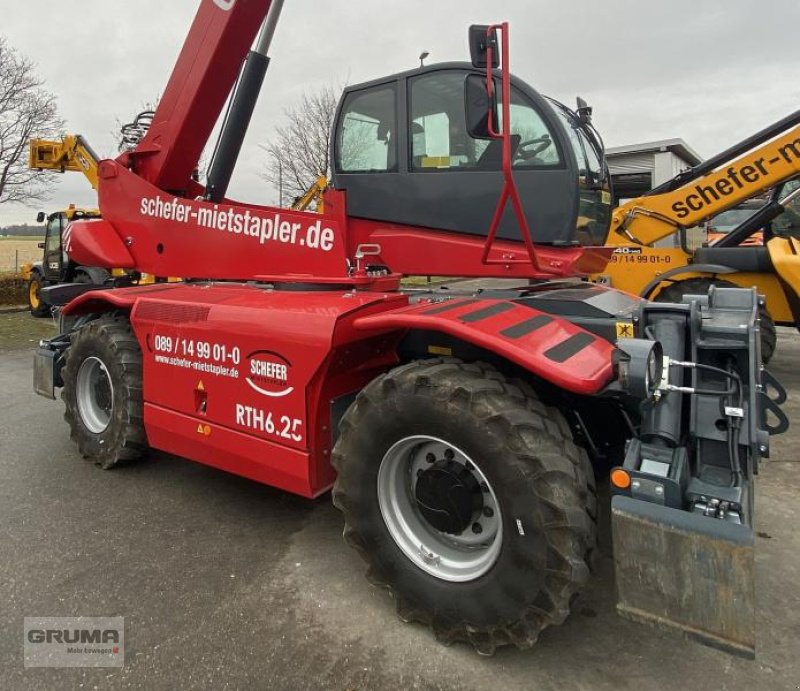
pixel 676 146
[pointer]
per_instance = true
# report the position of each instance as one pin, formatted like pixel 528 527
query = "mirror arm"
pixel 510 191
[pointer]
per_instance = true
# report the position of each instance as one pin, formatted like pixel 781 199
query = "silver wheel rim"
pixel 450 557
pixel 95 395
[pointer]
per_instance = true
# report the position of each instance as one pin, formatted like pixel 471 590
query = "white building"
pixel 637 168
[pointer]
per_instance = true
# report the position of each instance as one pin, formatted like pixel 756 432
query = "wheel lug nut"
pixel 430 458
pixel 419 472
pixel 477 528
pixel 485 487
pixel 449 454
pixel 488 511
pixel 469 466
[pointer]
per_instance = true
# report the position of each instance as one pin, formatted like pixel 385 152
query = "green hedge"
pixel 13 289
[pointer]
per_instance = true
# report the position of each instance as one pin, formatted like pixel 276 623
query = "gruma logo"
pixel 74 641
pixel 268 373
pixel 224 4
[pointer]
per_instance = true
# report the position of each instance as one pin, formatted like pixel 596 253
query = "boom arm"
pixel 719 184
pixel 206 70
pixel 71 153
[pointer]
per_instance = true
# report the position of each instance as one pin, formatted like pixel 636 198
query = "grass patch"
pixel 21 330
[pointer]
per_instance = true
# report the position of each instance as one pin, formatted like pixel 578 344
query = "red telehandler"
pixel 461 433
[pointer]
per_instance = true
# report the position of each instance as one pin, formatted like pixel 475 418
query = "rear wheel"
pixel 95 275
pixel 35 304
pixel 469 501
pixel 700 286
pixel 103 392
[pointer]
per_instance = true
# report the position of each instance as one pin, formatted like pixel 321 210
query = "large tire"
pixel 541 482
pixel 94 275
pixel 103 392
pixel 35 304
pixel 700 286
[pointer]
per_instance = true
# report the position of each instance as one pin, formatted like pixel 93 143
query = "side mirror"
pixel 40 245
pixel 40 217
pixel 479 43
pixel 584 111
pixel 479 105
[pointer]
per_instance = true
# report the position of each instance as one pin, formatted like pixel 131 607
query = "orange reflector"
pixel 620 478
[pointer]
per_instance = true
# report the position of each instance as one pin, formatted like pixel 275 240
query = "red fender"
pixel 548 346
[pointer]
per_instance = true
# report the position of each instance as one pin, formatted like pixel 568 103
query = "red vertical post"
pixel 509 185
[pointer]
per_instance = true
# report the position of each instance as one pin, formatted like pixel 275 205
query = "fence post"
pixel 16 261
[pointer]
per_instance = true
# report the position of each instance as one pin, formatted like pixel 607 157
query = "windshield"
pixel 730 219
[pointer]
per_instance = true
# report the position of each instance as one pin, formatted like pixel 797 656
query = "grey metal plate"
pixel 685 571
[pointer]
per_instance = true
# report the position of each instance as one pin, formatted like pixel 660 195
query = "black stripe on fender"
pixel 566 349
pixel 486 312
pixel 526 327
pixel 449 305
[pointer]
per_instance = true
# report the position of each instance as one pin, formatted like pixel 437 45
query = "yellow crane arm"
pixel 314 192
pixel 72 153
pixel 648 219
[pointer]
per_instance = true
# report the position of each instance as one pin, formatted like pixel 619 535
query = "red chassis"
pixel 247 379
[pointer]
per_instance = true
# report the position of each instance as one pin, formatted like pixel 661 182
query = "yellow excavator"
pixel 71 153
pixel 769 159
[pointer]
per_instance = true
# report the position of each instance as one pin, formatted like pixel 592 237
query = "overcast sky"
pixel 709 71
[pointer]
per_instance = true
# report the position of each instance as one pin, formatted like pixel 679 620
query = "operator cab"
pixel 56 264
pixel 403 151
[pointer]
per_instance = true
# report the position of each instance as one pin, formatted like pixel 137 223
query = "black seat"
pixel 754 259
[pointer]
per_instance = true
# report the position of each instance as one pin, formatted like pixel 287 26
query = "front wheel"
pixel 103 392
pixel 468 499
pixel 35 304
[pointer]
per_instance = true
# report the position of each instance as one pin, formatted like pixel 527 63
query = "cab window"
pixel 53 239
pixel 536 147
pixel 788 222
pixel 367 141
pixel 438 129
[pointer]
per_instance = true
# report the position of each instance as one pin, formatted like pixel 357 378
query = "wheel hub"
pixel 439 508
pixel 95 395
pixel 448 496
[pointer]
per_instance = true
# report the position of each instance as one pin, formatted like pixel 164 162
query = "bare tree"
pixel 298 153
pixel 26 110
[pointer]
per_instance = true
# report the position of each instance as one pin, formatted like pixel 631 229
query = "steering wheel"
pixel 531 148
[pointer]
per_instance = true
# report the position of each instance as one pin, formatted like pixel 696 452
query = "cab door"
pixel 53 255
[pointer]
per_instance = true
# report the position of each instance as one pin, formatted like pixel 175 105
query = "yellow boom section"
pixel 72 153
pixel 313 193
pixel 648 219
